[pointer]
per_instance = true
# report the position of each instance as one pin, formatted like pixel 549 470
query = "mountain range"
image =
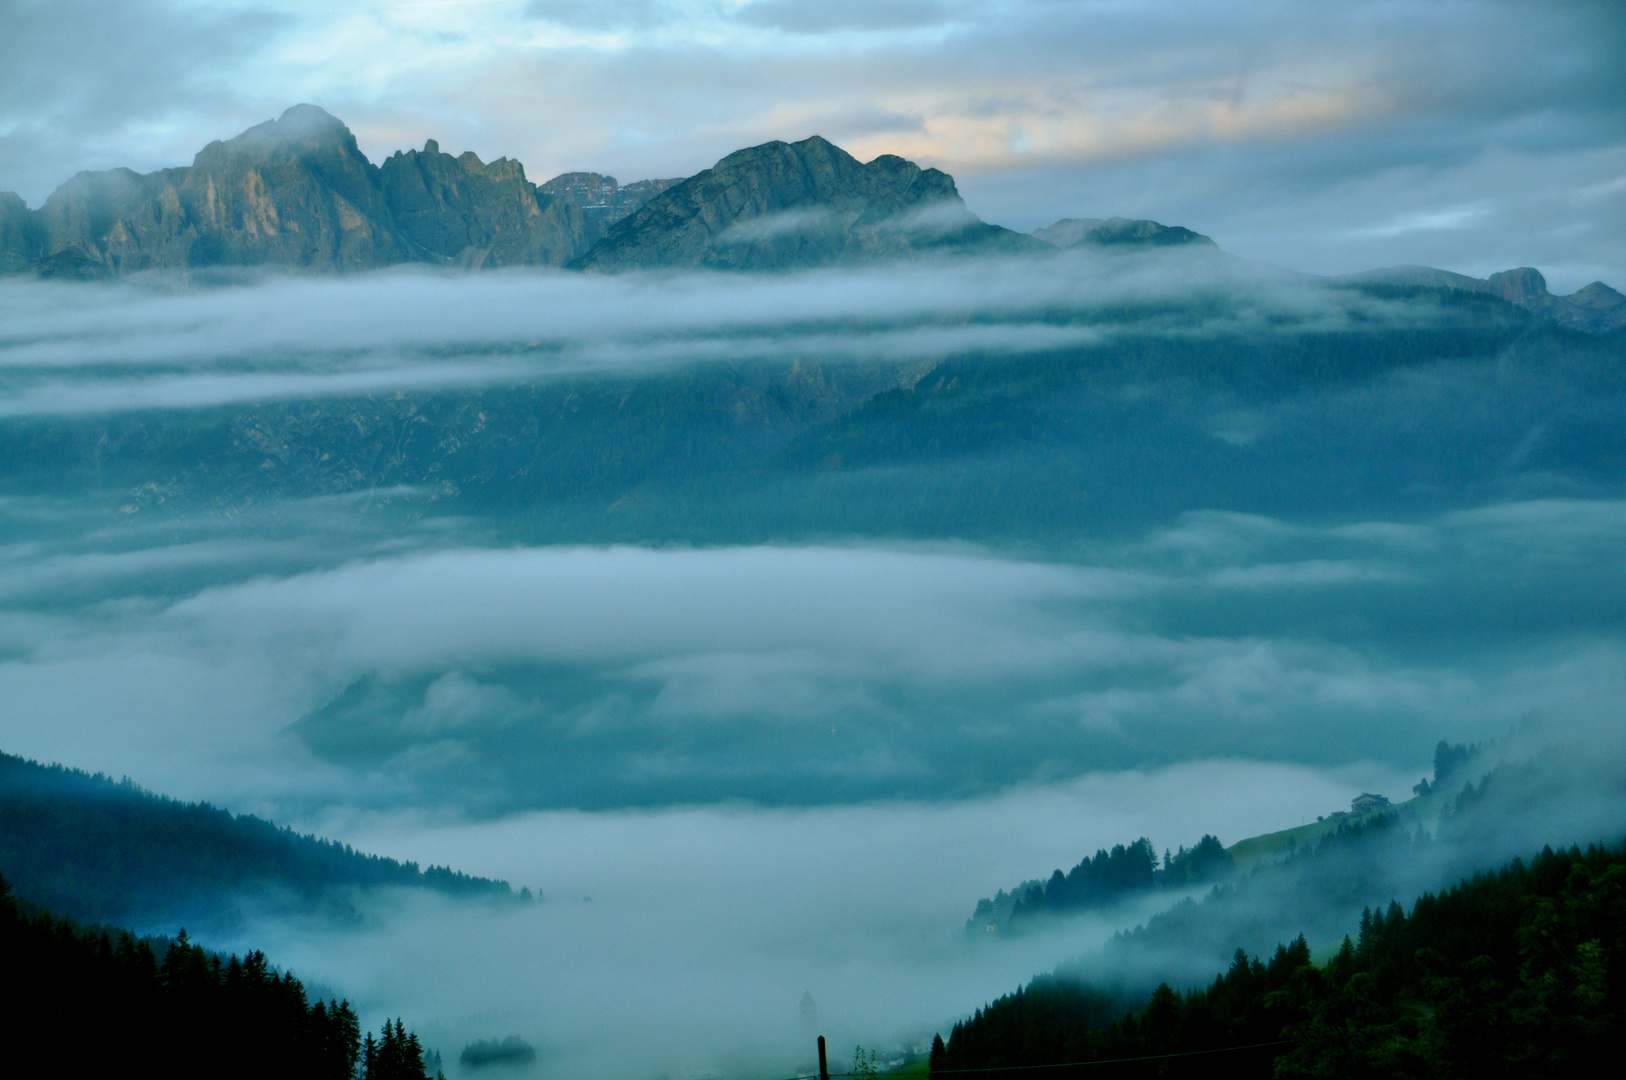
pixel 296 193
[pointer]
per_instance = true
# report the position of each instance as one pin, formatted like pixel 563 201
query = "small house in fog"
pixel 1366 802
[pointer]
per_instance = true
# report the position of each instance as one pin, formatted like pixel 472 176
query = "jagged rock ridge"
pixel 290 192
pixel 465 211
pixel 1595 309
pixel 602 199
pixel 783 205
pixel 1117 232
pixel 297 192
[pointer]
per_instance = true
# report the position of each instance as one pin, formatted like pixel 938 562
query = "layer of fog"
pixel 69 348
pixel 412 665
pixel 706 926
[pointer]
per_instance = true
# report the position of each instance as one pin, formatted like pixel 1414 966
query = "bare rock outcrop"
pixel 604 201
pixel 293 192
pixel 462 210
pixel 1594 309
pixel 783 206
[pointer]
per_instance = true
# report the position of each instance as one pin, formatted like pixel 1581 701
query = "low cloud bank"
pixel 415 667
pixel 706 926
pixel 70 349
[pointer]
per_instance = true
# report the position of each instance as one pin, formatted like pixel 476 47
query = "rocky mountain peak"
pixel 782 205
pixel 303 127
pixel 1597 297
pixel 602 199
pixel 464 211
pixel 1521 283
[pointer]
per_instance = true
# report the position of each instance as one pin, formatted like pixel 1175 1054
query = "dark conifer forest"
pixel 93 1001
pixel 1104 879
pixel 1516 973
pixel 108 851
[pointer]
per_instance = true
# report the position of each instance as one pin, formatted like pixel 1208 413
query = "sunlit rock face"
pixel 294 192
pixel 789 205
pixel 462 210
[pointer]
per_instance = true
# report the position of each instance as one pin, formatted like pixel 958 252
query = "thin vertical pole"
pixel 824 1069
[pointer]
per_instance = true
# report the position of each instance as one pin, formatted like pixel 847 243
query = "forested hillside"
pixel 1318 888
pixel 1101 880
pixel 1127 871
pixel 100 1002
pixel 1520 972
pixel 108 851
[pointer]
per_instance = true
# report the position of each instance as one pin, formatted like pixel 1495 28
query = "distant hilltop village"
pixel 296 193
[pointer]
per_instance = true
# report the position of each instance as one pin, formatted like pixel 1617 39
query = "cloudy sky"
pixel 1468 134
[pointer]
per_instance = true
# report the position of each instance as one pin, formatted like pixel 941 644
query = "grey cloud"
pixel 490 680
pixel 92 84
pixel 812 17
pixel 132 347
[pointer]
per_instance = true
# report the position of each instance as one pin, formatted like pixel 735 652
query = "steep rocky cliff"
pixel 786 205
pixel 295 193
pixel 20 239
pixel 292 192
pixel 465 211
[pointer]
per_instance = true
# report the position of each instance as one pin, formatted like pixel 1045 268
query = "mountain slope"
pixel 101 850
pixel 465 211
pixel 1513 973
pixel 783 205
pixel 601 198
pixel 1594 309
pixel 294 192
pixel 1118 232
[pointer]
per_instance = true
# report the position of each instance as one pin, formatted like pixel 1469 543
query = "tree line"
pixel 109 851
pixel 1102 880
pixel 1519 972
pixel 94 1001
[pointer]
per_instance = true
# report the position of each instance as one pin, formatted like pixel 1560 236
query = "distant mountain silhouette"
pixel 787 205
pixel 1595 309
pixel 1117 232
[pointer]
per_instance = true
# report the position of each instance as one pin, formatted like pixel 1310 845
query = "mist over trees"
pixel 1515 972
pixel 108 851
pixel 1102 880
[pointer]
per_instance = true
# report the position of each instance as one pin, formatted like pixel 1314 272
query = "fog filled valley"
pixel 756 626
pixel 455 623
